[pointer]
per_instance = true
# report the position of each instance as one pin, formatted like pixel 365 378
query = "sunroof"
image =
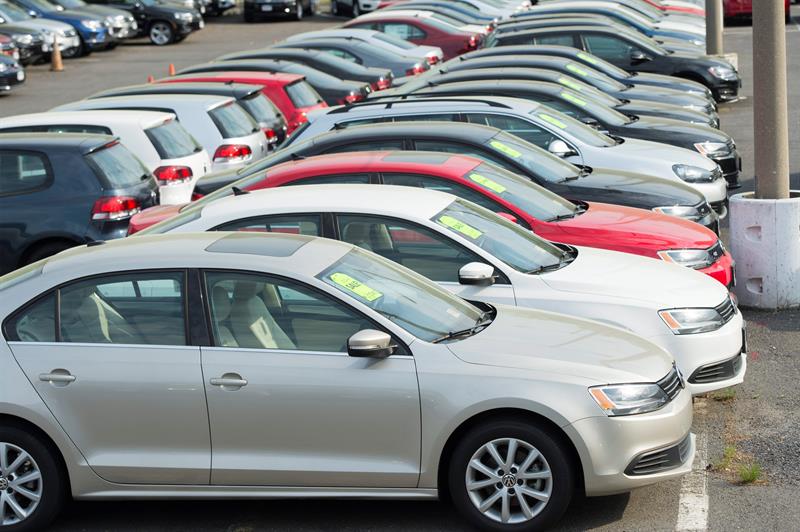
pixel 264 244
pixel 417 157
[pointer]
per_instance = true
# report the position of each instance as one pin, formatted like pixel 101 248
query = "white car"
pixel 375 38
pixel 157 139
pixel 480 255
pixel 353 7
pixel 220 124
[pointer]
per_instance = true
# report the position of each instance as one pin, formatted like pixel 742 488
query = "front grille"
pixel 719 371
pixel 726 309
pixel 661 460
pixel 672 384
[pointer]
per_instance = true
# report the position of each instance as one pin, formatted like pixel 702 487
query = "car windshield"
pixel 538 161
pixel 645 10
pixel 72 4
pixel 550 118
pixel 405 298
pixel 302 94
pixel 594 77
pixel 232 121
pixel 520 192
pixel 650 45
pixel 171 140
pixel 509 242
pixel 44 5
pixel 260 108
pixel 13 13
pixel 395 41
pixel 118 166
pixel 582 105
pixel 603 65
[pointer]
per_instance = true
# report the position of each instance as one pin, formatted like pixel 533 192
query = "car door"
pixel 109 357
pixel 423 250
pixel 288 406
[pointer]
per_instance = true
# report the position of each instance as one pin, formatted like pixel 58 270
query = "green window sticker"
pixel 508 150
pixel 588 58
pixel 459 226
pixel 356 287
pixel 488 183
pixel 574 99
pixel 571 84
pixel 553 121
pixel 572 67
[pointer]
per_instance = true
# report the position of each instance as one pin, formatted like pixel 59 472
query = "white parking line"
pixel 693 502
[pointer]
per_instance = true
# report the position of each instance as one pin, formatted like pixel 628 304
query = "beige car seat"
pixel 252 325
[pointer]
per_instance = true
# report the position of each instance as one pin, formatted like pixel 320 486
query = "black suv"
pixel 163 22
pixel 59 190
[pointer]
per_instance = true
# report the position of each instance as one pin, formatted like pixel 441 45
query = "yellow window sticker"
pixel 357 287
pixel 572 67
pixel 574 99
pixel 588 58
pixel 461 227
pixel 553 120
pixel 488 183
pixel 508 150
pixel 571 84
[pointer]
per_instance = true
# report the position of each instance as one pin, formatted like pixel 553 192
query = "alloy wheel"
pixel 160 33
pixel 509 481
pixel 20 484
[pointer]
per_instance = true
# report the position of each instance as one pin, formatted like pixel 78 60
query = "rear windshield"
pixel 117 166
pixel 233 121
pixel 302 94
pixel 260 108
pixel 171 140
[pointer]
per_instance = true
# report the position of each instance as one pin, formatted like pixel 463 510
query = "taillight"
pixel 353 97
pixel 113 208
pixel 432 59
pixel 474 40
pixel 232 153
pixel 383 83
pixel 272 137
pixel 173 175
pixel 418 68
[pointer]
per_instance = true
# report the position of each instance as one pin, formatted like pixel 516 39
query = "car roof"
pixel 144 119
pixel 539 59
pixel 352 33
pixel 240 90
pixel 177 101
pixel 574 28
pixel 233 63
pixel 409 203
pixel 466 102
pixel 255 76
pixel 449 130
pixel 85 142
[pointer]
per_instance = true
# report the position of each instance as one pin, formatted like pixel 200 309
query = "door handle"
pixel 229 381
pixel 62 378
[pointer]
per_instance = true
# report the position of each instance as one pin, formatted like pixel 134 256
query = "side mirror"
pixel 638 56
pixel 510 217
pixel 33 14
pixel 561 149
pixel 476 273
pixel 370 343
pixel 589 121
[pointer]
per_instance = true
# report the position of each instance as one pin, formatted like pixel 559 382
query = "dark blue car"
pixel 92 28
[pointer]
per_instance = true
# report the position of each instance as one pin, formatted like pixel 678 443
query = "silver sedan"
pixel 245 365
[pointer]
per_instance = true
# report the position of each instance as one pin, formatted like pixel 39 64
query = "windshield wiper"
pixel 483 322
pixel 565 259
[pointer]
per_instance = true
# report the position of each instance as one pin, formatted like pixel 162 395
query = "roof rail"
pixel 381 100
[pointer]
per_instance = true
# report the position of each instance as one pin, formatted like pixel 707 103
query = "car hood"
pixel 40 24
pixel 666 24
pixel 106 11
pixel 71 14
pixel 555 343
pixel 647 108
pixel 631 183
pixel 669 127
pixel 647 78
pixel 664 94
pixel 651 282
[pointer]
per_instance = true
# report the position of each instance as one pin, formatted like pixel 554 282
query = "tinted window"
pixel 302 94
pixel 233 121
pixel 516 126
pixel 374 145
pixel 403 31
pixel 559 40
pixel 582 132
pixel 357 179
pixel 118 166
pixel 608 47
pixel 536 160
pixel 297 224
pixel 258 312
pixel 171 140
pixel 22 172
pixel 344 55
pixel 260 108
pixel 463 149
pixel 415 247
pixel 140 308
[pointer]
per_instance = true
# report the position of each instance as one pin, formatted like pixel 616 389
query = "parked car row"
pixel 455 263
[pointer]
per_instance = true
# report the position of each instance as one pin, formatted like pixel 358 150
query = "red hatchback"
pixel 421 29
pixel 744 8
pixel 290 93
pixel 598 225
pixel 677 10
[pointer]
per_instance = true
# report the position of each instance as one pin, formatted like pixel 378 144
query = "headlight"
pixel 681 211
pixel 723 72
pixel 697 42
pixel 92 24
pixel 692 320
pixel 22 38
pixel 693 174
pixel 628 399
pixel 713 149
pixel 691 258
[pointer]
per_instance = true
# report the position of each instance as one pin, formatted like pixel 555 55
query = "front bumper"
pixel 731 166
pixel 715 192
pixel 271 9
pixel 726 90
pixel 97 40
pixel 11 78
pixel 608 446
pixel 722 270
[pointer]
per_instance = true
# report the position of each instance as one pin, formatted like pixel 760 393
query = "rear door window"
pixel 343 54
pixel 22 172
pixel 171 140
pixel 558 40
pixel 302 94
pixel 117 166
pixel 232 121
pixel 403 31
pixel 293 224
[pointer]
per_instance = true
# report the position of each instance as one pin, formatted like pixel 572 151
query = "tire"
pixel 72 53
pixel 249 17
pixel 51 487
pixel 161 33
pixel 549 456
pixel 46 250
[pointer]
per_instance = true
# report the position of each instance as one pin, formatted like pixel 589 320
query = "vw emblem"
pixel 3 483
pixel 509 480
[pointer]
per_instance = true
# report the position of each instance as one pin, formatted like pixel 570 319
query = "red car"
pixel 599 225
pixel 289 92
pixel 744 8
pixel 690 10
pixel 421 29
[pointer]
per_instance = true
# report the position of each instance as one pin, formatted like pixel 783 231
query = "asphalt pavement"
pixel 758 423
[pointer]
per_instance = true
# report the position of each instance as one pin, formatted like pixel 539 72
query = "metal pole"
pixel 714 27
pixel 770 106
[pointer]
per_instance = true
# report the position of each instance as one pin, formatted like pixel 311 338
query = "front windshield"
pixel 604 66
pixel 403 297
pixel 581 105
pixel 584 88
pixel 594 77
pixel 550 118
pixel 512 244
pixel 649 45
pixel 44 5
pixel 71 4
pixel 13 13
pixel 520 192
pixel 540 162
pixel 645 10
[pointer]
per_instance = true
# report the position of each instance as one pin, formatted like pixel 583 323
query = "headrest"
pixel 220 303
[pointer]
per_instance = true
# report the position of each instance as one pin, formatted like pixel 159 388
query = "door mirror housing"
pixel 476 273
pixel 370 343
pixel 591 122
pixel 638 56
pixel 561 149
